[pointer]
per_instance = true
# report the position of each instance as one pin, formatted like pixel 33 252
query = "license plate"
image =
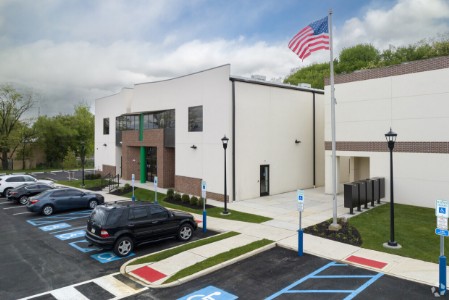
pixel 92 230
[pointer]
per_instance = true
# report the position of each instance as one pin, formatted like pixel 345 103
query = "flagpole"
pixel 334 226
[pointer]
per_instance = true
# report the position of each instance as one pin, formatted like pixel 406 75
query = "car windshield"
pixel 21 186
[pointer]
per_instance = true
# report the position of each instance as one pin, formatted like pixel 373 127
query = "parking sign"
pixel 300 198
pixel 442 208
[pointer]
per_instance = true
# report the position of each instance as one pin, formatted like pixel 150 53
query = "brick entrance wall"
pixel 131 156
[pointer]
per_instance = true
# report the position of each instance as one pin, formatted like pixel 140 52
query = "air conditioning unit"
pixel 305 85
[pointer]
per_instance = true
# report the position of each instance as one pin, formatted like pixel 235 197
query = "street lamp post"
pixel 225 141
pixel 391 139
pixel 83 149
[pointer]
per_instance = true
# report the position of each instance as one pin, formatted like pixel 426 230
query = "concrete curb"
pixel 196 275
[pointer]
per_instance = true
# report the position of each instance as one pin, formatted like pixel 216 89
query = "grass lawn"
pixel 148 195
pixel 173 251
pixel 77 183
pixel 414 230
pixel 218 259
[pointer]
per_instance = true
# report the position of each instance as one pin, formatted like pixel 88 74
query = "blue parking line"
pixel 314 275
pixel 60 218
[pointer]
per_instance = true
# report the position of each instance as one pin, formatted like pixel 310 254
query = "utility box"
pixel 351 196
pixel 381 187
pixel 369 191
pixel 362 193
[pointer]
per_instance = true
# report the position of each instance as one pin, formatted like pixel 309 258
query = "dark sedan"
pixel 22 193
pixel 61 199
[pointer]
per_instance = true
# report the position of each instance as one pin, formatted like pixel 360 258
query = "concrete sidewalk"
pixel 283 230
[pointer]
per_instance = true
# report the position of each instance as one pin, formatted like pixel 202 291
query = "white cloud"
pixel 78 57
pixel 407 22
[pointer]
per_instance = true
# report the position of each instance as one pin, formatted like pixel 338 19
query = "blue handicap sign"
pixel 209 293
pixel 442 210
pixel 71 235
pixel 55 226
pixel 300 197
pixel 85 249
pixel 442 232
pixel 107 257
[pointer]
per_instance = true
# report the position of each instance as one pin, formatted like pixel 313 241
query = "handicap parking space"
pixel 49 252
pixel 281 274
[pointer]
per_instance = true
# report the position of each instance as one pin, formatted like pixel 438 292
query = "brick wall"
pixel 107 169
pixel 131 155
pixel 404 68
pixel 192 186
pixel 410 147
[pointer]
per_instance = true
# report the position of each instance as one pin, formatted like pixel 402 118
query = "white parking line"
pixel 5 202
pixel 22 213
pixel 12 207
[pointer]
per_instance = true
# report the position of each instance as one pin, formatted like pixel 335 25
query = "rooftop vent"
pixel 259 77
pixel 304 85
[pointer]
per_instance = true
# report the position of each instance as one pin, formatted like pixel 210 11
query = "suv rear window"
pixel 102 216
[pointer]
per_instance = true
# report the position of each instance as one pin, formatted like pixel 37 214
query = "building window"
pixel 106 126
pixel 196 118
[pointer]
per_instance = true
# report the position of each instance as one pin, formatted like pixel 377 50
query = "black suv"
pixel 121 227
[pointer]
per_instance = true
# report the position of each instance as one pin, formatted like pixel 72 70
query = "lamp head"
pixel 225 141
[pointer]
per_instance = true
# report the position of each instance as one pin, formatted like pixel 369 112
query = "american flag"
pixel 312 38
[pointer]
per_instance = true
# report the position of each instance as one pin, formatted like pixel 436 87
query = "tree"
pixel 313 74
pixel 12 106
pixel 356 58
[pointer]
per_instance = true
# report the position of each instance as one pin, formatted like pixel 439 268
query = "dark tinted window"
pixel 99 216
pixel 31 186
pixel 15 179
pixel 106 126
pixel 73 193
pixel 59 194
pixel 29 179
pixel 137 213
pixel 158 212
pixel 196 118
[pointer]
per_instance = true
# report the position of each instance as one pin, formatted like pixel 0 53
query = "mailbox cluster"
pixel 362 192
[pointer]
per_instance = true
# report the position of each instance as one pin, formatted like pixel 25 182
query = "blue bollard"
pixel 442 286
pixel 204 221
pixel 300 242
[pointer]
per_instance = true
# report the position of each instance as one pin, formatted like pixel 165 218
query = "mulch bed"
pixel 347 234
pixel 187 204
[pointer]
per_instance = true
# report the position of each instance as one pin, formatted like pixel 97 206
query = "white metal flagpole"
pixel 334 225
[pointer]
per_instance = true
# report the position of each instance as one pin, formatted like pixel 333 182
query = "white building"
pixel 412 99
pixel 172 129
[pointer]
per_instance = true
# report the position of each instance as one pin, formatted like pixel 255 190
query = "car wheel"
pixel 185 232
pixel 123 246
pixel 23 200
pixel 47 210
pixel 93 204
pixel 5 192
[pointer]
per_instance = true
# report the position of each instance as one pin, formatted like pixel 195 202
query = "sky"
pixel 71 52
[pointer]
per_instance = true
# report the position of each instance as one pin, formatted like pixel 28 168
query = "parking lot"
pixel 280 273
pixel 40 253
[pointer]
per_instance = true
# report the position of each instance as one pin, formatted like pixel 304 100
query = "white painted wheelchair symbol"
pixel 209 293
pixel 204 297
pixel 54 227
pixel 71 235
pixel 107 257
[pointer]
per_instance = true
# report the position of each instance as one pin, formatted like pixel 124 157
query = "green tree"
pixel 12 106
pixel 358 57
pixel 69 161
pixel 55 135
pixel 313 74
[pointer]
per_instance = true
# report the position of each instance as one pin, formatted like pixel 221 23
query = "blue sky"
pixel 72 51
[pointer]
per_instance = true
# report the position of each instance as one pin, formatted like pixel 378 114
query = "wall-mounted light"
pixel 104 144
pixel 193 147
pixel 297 142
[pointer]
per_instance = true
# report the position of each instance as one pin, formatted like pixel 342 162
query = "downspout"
pixel 314 142
pixel 233 142
pixel 143 164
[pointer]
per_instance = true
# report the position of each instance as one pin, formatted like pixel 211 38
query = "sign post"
pixel 300 199
pixel 442 214
pixel 203 195
pixel 155 189
pixel 132 181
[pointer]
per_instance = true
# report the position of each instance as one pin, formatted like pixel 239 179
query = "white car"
pixel 8 182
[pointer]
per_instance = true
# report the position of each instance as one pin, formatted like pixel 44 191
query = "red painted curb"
pixel 367 262
pixel 149 274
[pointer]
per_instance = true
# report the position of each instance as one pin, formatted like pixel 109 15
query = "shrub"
pixel 170 193
pixel 185 198
pixel 194 200
pixel 127 186
pixel 92 176
pixel 177 197
pixel 200 201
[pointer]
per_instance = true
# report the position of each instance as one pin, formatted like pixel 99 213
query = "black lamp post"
pixel 225 141
pixel 391 139
pixel 82 154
